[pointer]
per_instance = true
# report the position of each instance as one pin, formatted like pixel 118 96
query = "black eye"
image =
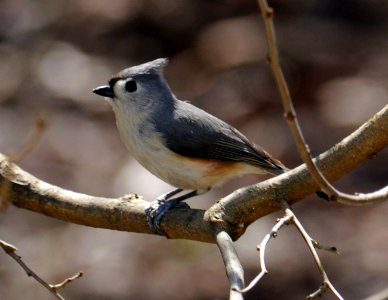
pixel 131 86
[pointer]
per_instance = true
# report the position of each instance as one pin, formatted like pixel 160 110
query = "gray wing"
pixel 190 131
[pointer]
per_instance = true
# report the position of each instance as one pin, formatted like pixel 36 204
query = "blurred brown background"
pixel 53 53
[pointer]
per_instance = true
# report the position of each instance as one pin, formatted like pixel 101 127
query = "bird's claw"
pixel 156 211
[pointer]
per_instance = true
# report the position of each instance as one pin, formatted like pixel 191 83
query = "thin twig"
pixel 53 288
pixel 57 287
pixel 311 245
pixel 319 246
pixel 31 142
pixel 262 248
pixel 26 148
pixel 233 267
pixel 290 115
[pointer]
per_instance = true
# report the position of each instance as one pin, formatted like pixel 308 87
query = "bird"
pixel 178 142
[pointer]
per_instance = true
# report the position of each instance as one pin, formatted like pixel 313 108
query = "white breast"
pixel 146 146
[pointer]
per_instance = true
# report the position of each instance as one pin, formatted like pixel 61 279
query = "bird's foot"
pixel 156 211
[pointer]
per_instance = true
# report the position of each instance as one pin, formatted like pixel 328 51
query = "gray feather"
pixel 192 132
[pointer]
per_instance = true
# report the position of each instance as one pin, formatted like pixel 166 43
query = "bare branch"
pixel 27 147
pixel 319 246
pixel 311 245
pixel 290 218
pixel 57 287
pixel 232 264
pixel 262 248
pixel 31 142
pixel 292 120
pixel 54 289
pixel 233 214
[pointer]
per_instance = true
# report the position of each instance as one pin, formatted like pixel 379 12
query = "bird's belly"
pixel 180 171
pixel 193 173
pixel 176 170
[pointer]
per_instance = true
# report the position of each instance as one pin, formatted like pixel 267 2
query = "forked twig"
pixel 262 247
pixel 53 288
pixel 290 218
pixel 326 285
pixel 290 115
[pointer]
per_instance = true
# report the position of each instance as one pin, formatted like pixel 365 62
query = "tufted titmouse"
pixel 176 141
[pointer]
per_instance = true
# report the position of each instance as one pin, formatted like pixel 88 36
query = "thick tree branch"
pixel 232 213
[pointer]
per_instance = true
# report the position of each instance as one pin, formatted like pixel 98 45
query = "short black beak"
pixel 104 91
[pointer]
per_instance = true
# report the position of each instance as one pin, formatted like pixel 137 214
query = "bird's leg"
pixel 168 195
pixel 158 208
pixel 185 196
